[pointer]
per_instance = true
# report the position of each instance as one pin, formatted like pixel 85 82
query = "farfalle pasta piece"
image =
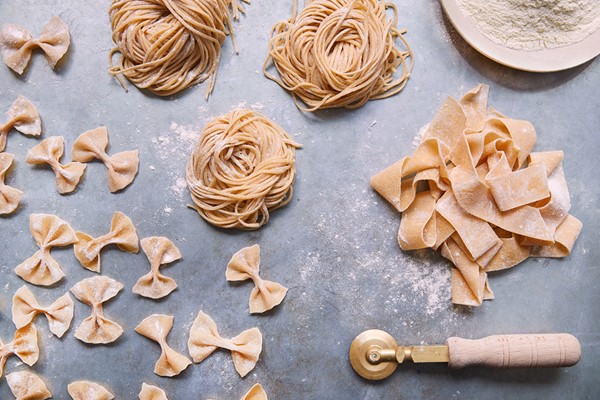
pixel 122 167
pixel 255 393
pixel 122 233
pixel 25 308
pixel 48 231
pixel 9 196
pixel 24 346
pixel 245 264
pixel 22 116
pixel 157 327
pixel 50 151
pixel 97 329
pixel 159 251
pixel 17 44
pixel 151 392
pixel 25 385
pixel 475 189
pixel 205 339
pixel 85 390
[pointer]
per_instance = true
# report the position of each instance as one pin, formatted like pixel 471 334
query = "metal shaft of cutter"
pixel 404 354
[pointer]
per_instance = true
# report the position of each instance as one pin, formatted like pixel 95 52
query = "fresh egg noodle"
pixel 339 53
pixel 168 45
pixel 241 169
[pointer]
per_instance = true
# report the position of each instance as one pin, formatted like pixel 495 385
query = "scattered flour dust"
pixel 410 285
pixel 419 136
pixel 173 149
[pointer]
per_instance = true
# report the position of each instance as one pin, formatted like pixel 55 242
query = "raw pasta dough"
pixel 17 44
pixel 50 151
pixel 24 345
pixel 121 167
pixel 84 390
pixel 167 46
pixel 245 264
pixel 48 231
pixel 205 339
pixel 25 385
pixel 25 308
pixel 122 233
pixel 97 329
pixel 489 203
pixel 150 392
pixel 159 251
pixel 242 168
pixel 339 53
pixel 255 393
pixel 9 196
pixel 22 116
pixel 157 327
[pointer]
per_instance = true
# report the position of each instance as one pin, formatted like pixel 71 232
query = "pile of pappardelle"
pixel 474 189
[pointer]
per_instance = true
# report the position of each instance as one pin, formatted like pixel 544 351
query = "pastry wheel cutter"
pixel 375 355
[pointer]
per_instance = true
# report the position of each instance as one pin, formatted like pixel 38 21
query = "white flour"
pixel 534 24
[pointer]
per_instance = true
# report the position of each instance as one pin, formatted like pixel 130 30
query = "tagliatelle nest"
pixel 242 168
pixel 339 53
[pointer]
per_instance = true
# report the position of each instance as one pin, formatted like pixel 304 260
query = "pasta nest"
pixel 339 53
pixel 241 169
pixel 169 45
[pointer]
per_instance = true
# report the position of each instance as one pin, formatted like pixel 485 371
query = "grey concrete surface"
pixel 334 246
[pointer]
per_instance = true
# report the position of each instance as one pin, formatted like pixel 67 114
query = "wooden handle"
pixel 515 351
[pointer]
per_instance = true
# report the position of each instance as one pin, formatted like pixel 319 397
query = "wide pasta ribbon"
pixel 84 390
pixel 25 385
pixel 48 231
pixel 25 308
pixel 97 329
pixel 122 167
pixel 151 392
pixel 205 339
pixel 50 151
pixel 17 44
pixel 122 233
pixel 24 346
pixel 245 264
pixel 22 116
pixel 159 251
pixel 157 327
pixel 9 196
pixel 474 188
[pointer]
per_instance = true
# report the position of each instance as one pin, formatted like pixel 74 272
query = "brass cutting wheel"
pixel 365 350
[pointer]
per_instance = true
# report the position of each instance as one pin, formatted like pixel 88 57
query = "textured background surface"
pixel 334 246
